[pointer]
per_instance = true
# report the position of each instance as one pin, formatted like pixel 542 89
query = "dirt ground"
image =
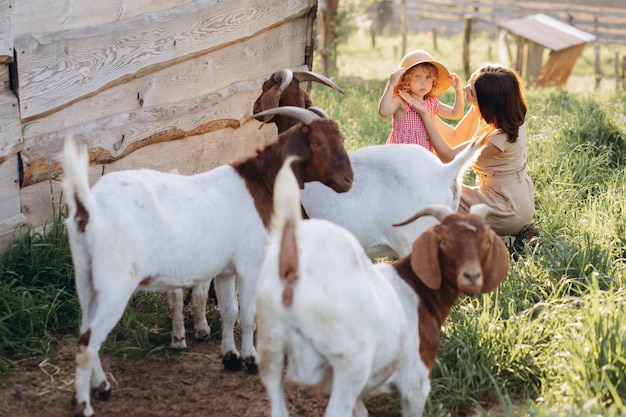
pixel 168 383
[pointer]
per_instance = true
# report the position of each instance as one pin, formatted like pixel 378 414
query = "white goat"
pixel 149 230
pixel 391 182
pixel 338 322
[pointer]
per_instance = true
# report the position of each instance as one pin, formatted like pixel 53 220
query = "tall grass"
pixel 550 341
pixel 37 294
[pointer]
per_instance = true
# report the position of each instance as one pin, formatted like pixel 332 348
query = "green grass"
pixel 550 341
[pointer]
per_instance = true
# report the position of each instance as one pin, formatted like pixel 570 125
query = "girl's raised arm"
pixel 389 104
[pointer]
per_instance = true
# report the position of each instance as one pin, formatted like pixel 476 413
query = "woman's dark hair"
pixel 500 96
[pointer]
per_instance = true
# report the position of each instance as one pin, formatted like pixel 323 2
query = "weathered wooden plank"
pixel 9 188
pixel 11 227
pixel 72 14
pixel 5 83
pixel 190 155
pixel 7 9
pixel 113 138
pixel 56 69
pixel 10 126
pixel 280 47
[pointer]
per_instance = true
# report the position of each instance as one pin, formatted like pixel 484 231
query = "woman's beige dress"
pixel 503 183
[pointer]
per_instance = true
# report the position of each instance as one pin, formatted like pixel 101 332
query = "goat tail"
pixel 76 182
pixel 285 220
pixel 466 158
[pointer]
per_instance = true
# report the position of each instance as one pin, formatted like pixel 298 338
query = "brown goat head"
pixel 283 89
pixel 319 144
pixel 462 249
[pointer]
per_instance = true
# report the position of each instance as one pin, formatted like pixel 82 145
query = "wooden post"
pixel 534 55
pixel 598 66
pixel 328 15
pixel 624 72
pixel 467 32
pixel 616 70
pixel 434 30
pixel 519 59
pixel 403 25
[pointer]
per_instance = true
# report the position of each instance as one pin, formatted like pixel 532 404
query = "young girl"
pixel 419 78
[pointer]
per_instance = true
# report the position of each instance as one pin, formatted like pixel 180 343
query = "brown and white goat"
pixel 339 323
pixel 282 89
pixel 148 230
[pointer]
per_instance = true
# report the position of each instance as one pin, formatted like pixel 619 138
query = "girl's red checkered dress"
pixel 411 128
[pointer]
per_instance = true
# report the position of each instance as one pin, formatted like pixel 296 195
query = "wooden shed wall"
pixel 165 85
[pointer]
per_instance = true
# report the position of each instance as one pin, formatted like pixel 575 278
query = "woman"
pixel 502 181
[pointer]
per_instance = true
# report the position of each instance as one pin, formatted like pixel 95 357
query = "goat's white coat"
pixel 145 233
pixel 391 183
pixel 348 315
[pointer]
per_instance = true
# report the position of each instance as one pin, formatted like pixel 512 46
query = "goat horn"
pixel 321 113
pixel 304 115
pixel 439 211
pixel 480 210
pixel 313 76
pixel 283 76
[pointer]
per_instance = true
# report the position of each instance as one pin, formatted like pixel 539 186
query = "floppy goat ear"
pixel 298 144
pixel 425 259
pixel 496 265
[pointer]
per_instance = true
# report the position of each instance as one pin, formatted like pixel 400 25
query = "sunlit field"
pixel 552 339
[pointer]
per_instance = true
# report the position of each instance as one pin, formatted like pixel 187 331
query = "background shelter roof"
pixel 547 31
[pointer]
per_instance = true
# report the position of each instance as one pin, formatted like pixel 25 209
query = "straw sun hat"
pixel 418 56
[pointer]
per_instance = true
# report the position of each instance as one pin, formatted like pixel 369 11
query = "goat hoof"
pixel 179 343
pixel 202 334
pixel 251 365
pixel 232 362
pixel 78 409
pixel 102 392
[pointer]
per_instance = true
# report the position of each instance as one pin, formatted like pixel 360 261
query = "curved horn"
pixel 439 211
pixel 313 76
pixel 480 209
pixel 283 76
pixel 304 115
pixel 321 113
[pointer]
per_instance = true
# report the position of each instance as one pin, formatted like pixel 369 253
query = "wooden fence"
pixel 608 25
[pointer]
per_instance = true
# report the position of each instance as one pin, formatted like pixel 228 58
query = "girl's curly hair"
pixel 403 84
